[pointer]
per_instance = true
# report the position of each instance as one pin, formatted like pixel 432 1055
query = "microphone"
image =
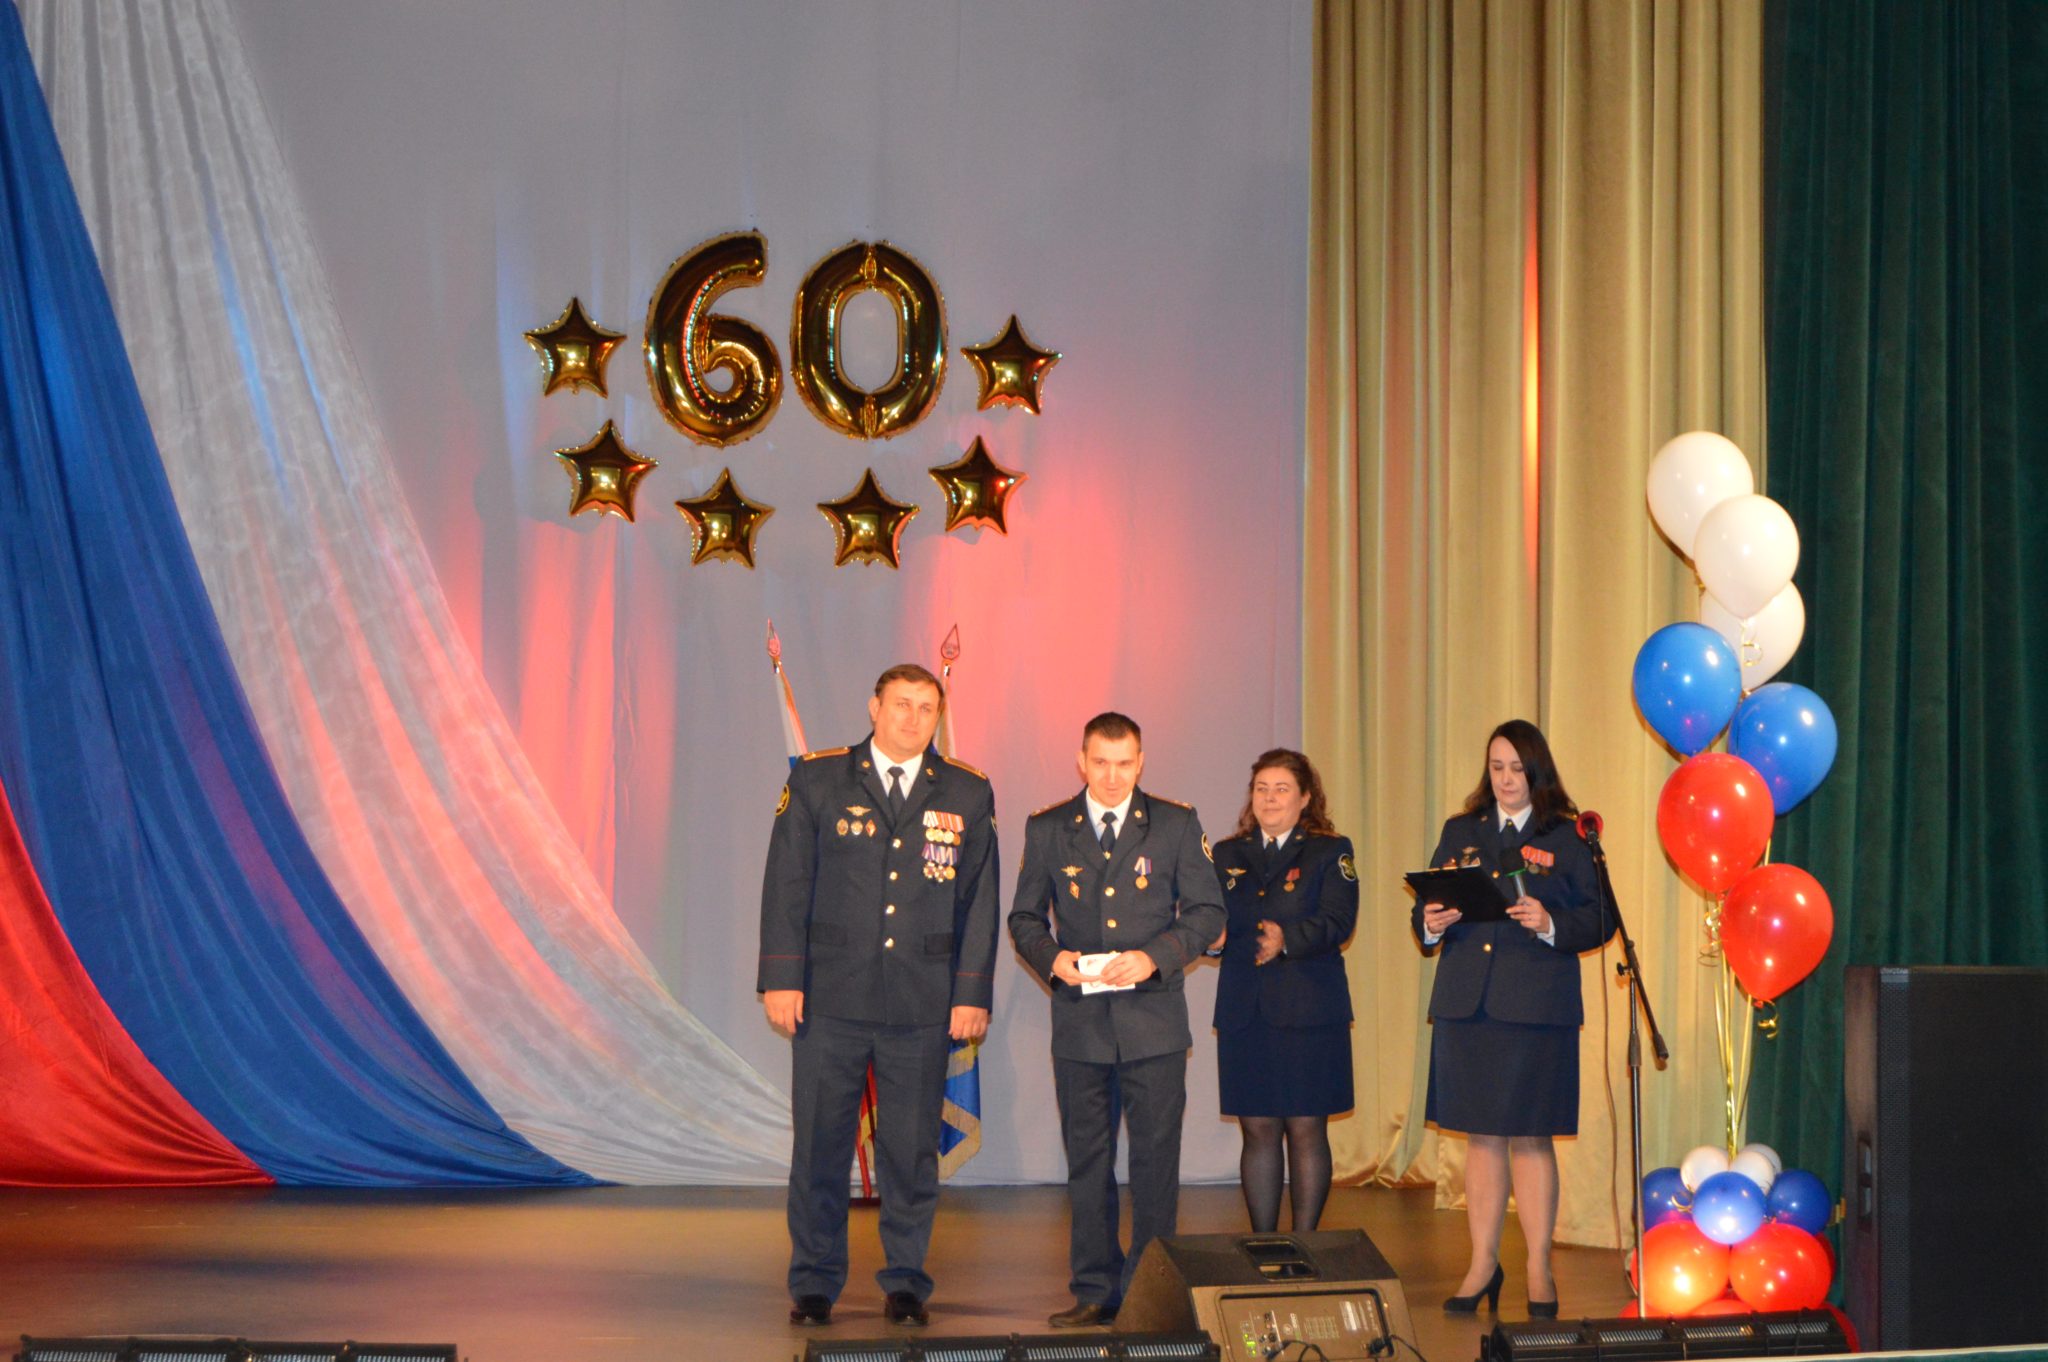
pixel 1589 828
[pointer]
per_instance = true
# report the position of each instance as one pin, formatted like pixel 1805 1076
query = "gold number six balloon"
pixel 920 341
pixel 687 342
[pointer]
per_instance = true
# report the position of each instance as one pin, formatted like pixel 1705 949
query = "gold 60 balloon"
pixel 687 342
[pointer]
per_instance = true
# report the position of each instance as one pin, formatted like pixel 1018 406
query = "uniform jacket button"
pixel 1488 948
pixel 890 909
pixel 892 874
pixel 1110 923
pixel 1110 892
pixel 889 944
pixel 896 842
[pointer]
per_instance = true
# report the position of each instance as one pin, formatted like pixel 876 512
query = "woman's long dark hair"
pixel 1550 804
pixel 1315 815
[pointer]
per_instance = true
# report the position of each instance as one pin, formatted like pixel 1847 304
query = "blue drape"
pixel 142 790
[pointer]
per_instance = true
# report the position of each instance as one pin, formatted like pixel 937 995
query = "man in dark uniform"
pixel 878 943
pixel 1116 872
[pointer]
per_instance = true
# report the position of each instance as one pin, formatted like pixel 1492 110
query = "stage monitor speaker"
pixel 1256 1294
pixel 1945 1240
pixel 223 1350
pixel 1777 1333
pixel 1017 1348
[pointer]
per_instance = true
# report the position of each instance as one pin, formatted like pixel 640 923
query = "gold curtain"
pixel 1535 255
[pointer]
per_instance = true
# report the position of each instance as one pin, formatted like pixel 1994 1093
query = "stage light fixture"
pixel 1020 1348
pixel 133 1349
pixel 1778 1333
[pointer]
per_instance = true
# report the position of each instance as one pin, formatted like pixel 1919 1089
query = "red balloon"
pixel 1725 1305
pixel 1686 1269
pixel 1780 1267
pixel 1775 926
pixel 1714 819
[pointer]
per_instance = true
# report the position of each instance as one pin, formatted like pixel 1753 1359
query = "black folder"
pixel 1476 893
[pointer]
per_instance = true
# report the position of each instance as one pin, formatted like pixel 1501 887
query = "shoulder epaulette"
pixel 1162 799
pixel 828 752
pixel 1057 803
pixel 970 770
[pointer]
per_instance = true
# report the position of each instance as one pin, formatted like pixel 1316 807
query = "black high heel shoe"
pixel 1490 1293
pixel 1543 1309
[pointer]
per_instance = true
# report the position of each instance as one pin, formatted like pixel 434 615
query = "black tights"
pixel 1307 1169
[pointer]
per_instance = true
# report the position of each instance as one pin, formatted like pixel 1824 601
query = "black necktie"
pixel 895 790
pixel 1108 833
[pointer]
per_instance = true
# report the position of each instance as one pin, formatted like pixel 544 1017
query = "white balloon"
pixel 1705 1161
pixel 1746 552
pixel 1777 1164
pixel 1753 1165
pixel 1691 475
pixel 1766 640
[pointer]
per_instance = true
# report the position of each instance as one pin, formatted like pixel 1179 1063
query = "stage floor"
pixel 617 1274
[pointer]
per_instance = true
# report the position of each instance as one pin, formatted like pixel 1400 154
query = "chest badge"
pixel 1143 866
pixel 857 810
pixel 1234 872
pixel 1293 874
pixel 1538 860
pixel 1469 857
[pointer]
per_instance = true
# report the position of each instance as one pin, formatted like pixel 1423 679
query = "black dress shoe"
pixel 1543 1309
pixel 1490 1293
pixel 903 1307
pixel 811 1310
pixel 1084 1315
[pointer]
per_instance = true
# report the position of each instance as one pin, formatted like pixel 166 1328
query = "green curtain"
pixel 1906 295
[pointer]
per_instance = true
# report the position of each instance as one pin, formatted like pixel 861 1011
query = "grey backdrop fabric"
pixel 1130 180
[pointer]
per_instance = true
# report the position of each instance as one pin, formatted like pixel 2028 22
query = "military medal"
pixel 871 827
pixel 1074 888
pixel 1293 874
pixel 842 827
pixel 1144 869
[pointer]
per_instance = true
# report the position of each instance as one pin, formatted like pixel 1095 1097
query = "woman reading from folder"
pixel 1283 1008
pixel 1505 1011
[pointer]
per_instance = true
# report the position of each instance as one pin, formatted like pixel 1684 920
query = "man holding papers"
pixel 1116 896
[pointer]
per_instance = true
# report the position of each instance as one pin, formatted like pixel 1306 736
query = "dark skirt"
pixel 1491 1077
pixel 1266 1070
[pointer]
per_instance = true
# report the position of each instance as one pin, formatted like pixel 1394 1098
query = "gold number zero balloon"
pixel 920 341
pixel 687 342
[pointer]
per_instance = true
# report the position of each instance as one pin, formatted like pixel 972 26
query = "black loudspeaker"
pixel 1945 1244
pixel 1018 1348
pixel 1256 1294
pixel 223 1350
pixel 1773 1334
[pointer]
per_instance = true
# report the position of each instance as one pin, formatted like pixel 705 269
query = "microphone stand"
pixel 1638 1010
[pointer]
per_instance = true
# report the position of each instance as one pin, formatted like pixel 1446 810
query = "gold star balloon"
pixel 723 522
pixel 1011 368
pixel 573 350
pixel 867 527
pixel 977 489
pixel 604 474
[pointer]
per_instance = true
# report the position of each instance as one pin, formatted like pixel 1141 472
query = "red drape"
pixel 79 1105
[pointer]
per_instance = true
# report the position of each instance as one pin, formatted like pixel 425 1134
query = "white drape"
pixel 398 760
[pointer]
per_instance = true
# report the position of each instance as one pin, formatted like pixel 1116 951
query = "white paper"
pixel 1090 965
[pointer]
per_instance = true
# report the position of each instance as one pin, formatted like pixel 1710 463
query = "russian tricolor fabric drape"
pixel 308 913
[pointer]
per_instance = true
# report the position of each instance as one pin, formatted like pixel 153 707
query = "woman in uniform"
pixel 1505 1011
pixel 1283 1009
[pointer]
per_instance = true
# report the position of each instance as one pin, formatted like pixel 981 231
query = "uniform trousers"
pixel 1151 1095
pixel 831 1057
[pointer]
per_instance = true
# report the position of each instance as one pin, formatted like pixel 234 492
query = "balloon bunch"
pixel 1694 681
pixel 1727 1236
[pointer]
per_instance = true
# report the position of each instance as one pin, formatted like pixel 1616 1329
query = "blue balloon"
pixel 1728 1208
pixel 1665 1198
pixel 1687 681
pixel 1788 734
pixel 1799 1198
